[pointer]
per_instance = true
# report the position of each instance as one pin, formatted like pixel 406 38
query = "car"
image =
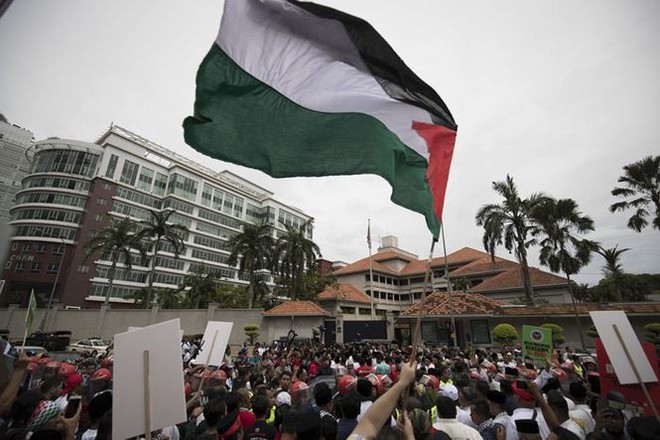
pixel 89 346
pixel 65 356
pixel 52 341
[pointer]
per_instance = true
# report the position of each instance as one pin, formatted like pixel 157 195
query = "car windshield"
pixel 98 343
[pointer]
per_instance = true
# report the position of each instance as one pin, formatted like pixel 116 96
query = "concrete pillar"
pixel 105 308
pixel 210 312
pixel 153 316
pixel 389 319
pixel 10 314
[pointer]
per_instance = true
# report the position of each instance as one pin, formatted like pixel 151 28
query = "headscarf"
pixel 45 410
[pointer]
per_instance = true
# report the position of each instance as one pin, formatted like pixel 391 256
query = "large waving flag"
pixel 298 89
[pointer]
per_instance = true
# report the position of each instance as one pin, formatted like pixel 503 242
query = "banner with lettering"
pixel 537 344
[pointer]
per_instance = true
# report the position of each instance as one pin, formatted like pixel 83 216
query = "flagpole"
pixel 371 272
pixel 417 334
pixel 452 333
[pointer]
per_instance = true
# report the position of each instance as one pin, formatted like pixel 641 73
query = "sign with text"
pixel 216 335
pixel 615 332
pixel 165 379
pixel 537 344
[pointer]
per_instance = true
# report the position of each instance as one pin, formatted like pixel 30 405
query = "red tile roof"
pixel 437 304
pixel 297 308
pixel 479 267
pixel 343 292
pixel 363 266
pixel 512 279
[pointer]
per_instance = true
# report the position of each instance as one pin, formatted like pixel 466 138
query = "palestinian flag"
pixel 298 89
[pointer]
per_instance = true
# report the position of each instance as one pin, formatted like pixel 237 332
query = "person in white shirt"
pixel 526 409
pixel 558 405
pixel 447 422
pixel 582 412
pixel 497 403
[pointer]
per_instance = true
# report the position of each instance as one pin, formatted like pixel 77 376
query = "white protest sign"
pixel 216 334
pixel 605 323
pixel 131 328
pixel 168 405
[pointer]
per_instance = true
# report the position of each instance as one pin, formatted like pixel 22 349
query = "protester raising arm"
pixel 380 411
pixel 548 414
pixel 8 394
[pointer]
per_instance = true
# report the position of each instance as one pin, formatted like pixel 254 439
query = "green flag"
pixel 31 311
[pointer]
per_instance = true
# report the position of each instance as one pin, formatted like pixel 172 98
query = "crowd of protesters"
pixel 344 391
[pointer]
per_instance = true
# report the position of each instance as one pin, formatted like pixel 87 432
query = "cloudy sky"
pixel 561 95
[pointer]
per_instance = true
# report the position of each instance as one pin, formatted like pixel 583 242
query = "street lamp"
pixel 52 291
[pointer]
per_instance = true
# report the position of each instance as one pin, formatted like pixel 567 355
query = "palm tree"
pixel 252 250
pixel 642 182
pixel 556 224
pixel 510 222
pixel 115 241
pixel 199 287
pixel 612 268
pixel 159 228
pixel 294 252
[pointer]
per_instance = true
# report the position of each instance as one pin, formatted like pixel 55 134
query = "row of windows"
pixel 35 266
pixel 146 179
pixel 210 242
pixel 138 197
pixel 219 218
pixel 45 231
pixel 215 230
pixel 259 277
pixel 178 219
pixel 182 186
pixel 290 219
pixel 121 274
pixel 133 211
pixel 65 161
pixel 168 278
pixel 47 214
pixel 400 282
pixel 220 272
pixel 264 214
pixel 116 291
pixel 389 296
pixel 209 256
pixel 178 205
pixel 221 201
pixel 40 248
pixel 52 198
pixel 170 263
pixel 56 182
pixel 129 172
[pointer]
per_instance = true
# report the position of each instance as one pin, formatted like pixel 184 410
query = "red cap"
pixel 219 375
pixel 101 374
pixel 107 362
pixel 71 382
pixel 55 365
pixel 298 386
pixel 523 394
pixel 33 366
pixel 66 369
pixel 346 384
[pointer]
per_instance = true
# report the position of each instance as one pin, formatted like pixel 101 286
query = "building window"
pixel 480 331
pixel 27 247
pixel 98 218
pixel 160 184
pixel 112 165
pixel 58 250
pixel 52 268
pixel 102 201
pixel 36 267
pixel 20 266
pixel 8 265
pixel 363 311
pixel 129 172
pixel 107 186
pixel 146 178
pixel 347 310
pixel 14 246
pixel 41 248
pixel 83 269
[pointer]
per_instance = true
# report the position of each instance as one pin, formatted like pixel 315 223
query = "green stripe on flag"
pixel 239 119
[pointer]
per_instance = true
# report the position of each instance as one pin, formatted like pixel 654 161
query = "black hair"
pixel 260 406
pixel 364 387
pixel 350 405
pixel 481 408
pixel 446 407
pixel 214 410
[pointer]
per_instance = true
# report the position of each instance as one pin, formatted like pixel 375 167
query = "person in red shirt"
pixel 247 417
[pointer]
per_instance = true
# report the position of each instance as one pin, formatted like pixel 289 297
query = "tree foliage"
pixel 251 332
pixel 641 188
pixel 510 222
pixel 114 243
pixel 505 334
pixel 613 269
pixel 652 332
pixel 557 333
pixel 295 254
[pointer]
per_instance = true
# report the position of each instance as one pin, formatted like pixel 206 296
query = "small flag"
pixel 31 311
pixel 369 234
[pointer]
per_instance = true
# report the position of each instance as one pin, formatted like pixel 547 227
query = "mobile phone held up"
pixel 72 406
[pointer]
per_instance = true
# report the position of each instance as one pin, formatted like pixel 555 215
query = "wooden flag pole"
pixel 639 376
pixel 147 396
pixel 418 324
pixel 208 359
pixel 24 338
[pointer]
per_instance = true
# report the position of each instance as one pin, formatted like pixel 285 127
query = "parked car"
pixel 51 341
pixel 32 350
pixel 89 346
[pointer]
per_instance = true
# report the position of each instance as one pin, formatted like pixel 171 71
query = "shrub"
pixel 652 332
pixel 505 334
pixel 251 332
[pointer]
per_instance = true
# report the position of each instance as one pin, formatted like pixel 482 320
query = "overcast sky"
pixel 561 95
